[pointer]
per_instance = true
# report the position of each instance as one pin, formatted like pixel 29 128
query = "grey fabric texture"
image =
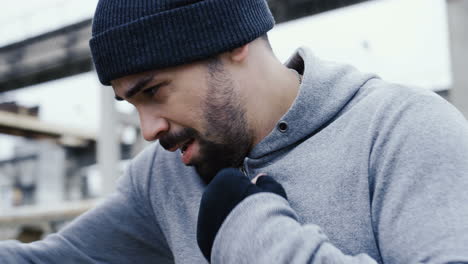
pixel 375 173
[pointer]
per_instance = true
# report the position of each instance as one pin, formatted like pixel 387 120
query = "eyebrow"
pixel 136 88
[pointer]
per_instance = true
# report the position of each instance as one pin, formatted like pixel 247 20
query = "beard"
pixel 227 139
pixel 217 156
pixel 226 124
pixel 212 156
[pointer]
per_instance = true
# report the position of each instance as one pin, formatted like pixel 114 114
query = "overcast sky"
pixel 412 49
pixel 23 19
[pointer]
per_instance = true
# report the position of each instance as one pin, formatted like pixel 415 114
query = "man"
pixel 328 165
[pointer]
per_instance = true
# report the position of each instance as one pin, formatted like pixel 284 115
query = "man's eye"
pixel 154 89
pixel 151 91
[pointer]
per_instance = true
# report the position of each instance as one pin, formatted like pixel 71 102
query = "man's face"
pixel 195 109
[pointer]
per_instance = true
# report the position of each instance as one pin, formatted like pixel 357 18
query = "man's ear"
pixel 239 54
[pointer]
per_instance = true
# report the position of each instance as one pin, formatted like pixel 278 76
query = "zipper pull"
pixel 242 169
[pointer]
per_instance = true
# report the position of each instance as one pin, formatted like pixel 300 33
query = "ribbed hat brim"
pixel 178 36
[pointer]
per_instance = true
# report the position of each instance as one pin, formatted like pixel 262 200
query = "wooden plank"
pixel 21 125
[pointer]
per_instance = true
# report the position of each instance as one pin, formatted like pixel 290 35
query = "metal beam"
pixel 18 159
pixel 47 57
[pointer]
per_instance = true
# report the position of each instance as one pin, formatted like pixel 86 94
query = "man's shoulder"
pixel 391 97
pixel 152 157
pixel 395 92
pixel 146 157
pixel 157 166
pixel 138 172
pixel 396 110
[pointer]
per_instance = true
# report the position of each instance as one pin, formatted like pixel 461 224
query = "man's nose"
pixel 153 127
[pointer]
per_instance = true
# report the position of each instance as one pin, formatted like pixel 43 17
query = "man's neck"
pixel 277 90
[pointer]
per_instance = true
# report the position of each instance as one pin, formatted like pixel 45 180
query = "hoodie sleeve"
pixel 120 230
pixel 419 165
pixel 271 233
pixel 418 182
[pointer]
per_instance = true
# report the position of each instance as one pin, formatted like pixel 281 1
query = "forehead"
pixel 190 70
pixel 131 80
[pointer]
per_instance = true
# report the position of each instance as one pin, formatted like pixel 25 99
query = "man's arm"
pixel 418 183
pixel 121 230
pixel 271 233
pixel 420 200
pixel 244 222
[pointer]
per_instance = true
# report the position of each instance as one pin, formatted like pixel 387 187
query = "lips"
pixel 186 145
pixel 177 139
pixel 182 145
pixel 188 151
pixel 185 140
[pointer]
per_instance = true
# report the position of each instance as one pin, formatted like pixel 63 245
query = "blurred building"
pixel 44 162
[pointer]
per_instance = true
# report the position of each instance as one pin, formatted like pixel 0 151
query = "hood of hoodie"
pixel 326 89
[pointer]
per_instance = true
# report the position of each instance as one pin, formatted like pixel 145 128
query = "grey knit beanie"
pixel 133 36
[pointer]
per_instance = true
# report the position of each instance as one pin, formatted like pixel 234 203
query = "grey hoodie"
pixel 374 172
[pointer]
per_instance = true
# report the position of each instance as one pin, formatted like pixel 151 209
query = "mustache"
pixel 171 140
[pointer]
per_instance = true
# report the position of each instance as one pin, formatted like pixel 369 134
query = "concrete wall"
pixel 458 27
pixel 51 167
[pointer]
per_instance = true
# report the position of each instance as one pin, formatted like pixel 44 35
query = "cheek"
pixel 192 99
pixel 186 110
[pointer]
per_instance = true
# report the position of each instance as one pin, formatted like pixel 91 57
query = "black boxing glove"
pixel 228 188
